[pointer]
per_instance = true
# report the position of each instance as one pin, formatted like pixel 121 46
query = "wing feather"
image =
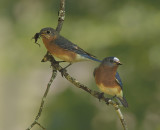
pixel 118 79
pixel 68 45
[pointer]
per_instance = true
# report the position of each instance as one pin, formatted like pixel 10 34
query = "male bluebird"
pixel 108 79
pixel 62 48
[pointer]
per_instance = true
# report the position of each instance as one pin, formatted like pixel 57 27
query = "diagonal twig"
pixel 96 94
pixel 54 73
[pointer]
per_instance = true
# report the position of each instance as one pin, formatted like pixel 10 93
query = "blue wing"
pixel 118 79
pixel 68 45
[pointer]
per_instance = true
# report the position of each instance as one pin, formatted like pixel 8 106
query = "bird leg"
pixel 67 65
pixel 63 70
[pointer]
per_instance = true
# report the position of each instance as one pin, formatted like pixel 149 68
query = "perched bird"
pixel 108 79
pixel 62 48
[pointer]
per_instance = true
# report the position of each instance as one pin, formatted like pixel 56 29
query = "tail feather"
pixel 92 58
pixel 123 101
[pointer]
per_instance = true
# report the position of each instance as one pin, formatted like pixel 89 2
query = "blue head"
pixel 111 61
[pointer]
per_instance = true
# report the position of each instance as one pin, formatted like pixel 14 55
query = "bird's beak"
pixel 43 35
pixel 118 63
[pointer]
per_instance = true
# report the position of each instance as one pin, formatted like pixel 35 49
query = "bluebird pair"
pixel 106 75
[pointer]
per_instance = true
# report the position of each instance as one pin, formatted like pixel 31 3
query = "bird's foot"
pixel 107 100
pixel 100 96
pixel 63 71
pixel 57 62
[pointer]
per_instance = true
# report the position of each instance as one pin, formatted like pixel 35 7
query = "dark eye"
pixel 48 32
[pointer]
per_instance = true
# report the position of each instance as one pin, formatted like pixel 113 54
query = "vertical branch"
pixel 120 115
pixel 61 16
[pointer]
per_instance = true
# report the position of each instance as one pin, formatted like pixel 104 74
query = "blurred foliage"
pixel 68 113
pixel 129 30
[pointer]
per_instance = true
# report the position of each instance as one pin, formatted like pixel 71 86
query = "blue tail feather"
pixel 123 101
pixel 92 58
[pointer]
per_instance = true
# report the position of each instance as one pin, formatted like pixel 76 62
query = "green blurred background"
pixel 129 30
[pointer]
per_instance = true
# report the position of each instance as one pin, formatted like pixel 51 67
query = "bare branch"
pixel 96 94
pixel 54 73
pixel 119 114
pixel 56 66
pixel 61 16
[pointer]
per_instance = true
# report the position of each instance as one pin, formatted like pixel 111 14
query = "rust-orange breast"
pixel 57 51
pixel 105 79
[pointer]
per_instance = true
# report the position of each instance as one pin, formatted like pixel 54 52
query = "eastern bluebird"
pixel 62 48
pixel 108 79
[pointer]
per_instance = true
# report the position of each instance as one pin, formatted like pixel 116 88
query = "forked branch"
pixel 55 66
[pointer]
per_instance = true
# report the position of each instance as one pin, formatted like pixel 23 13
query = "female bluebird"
pixel 108 79
pixel 62 48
